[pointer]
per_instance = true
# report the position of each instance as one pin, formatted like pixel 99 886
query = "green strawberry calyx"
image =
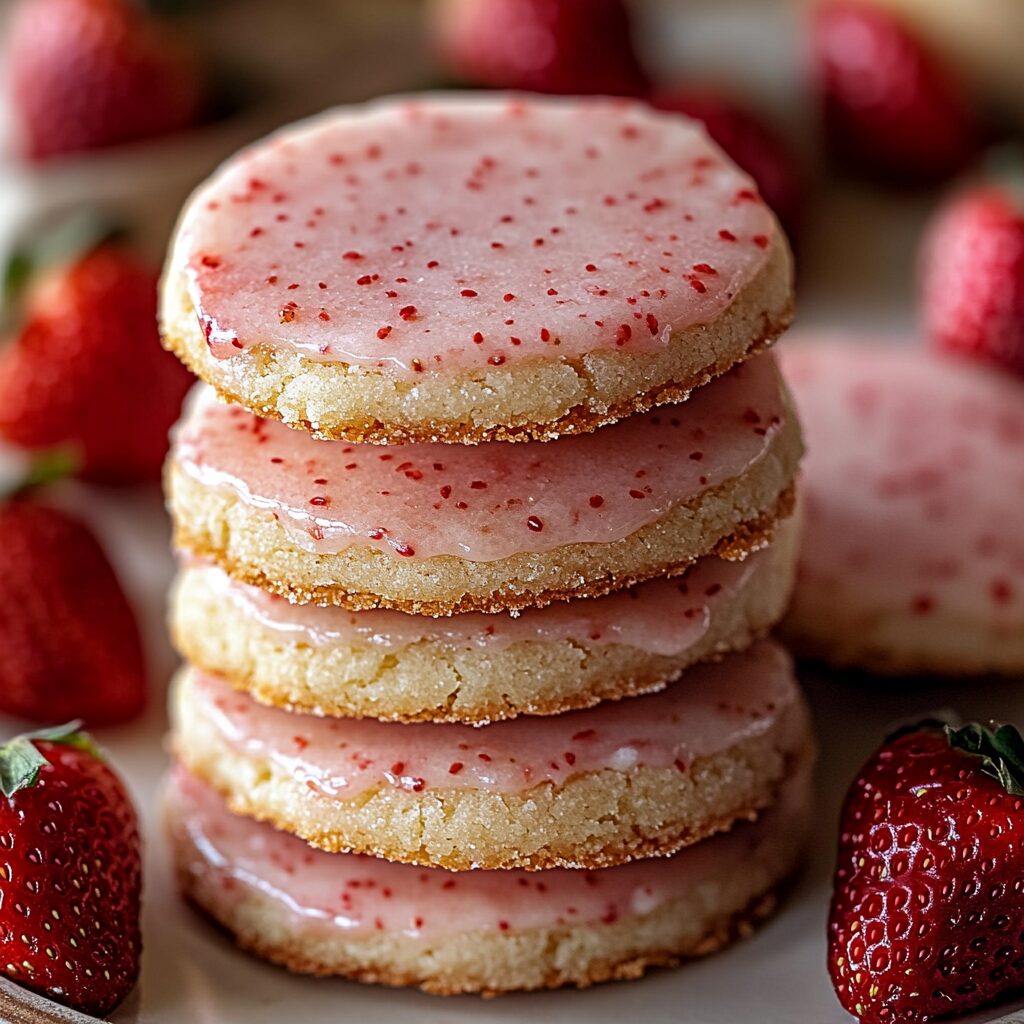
pixel 21 760
pixel 1000 747
pixel 45 467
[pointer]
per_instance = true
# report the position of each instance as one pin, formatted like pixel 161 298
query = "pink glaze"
pixel 486 502
pixel 471 232
pixel 913 486
pixel 322 892
pixel 662 617
pixel 713 708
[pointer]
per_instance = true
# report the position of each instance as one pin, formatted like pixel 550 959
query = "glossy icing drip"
pixel 322 892
pixel 713 708
pixel 662 617
pixel 486 502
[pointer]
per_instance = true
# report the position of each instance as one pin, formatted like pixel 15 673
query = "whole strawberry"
pixel 972 271
pixel 889 105
pixel 71 879
pixel 928 905
pixel 87 369
pixel 758 150
pixel 84 74
pixel 550 46
pixel 69 639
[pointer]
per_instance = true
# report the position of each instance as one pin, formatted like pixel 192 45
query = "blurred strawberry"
pixel 87 368
pixel 84 74
pixel 70 641
pixel 973 275
pixel 72 873
pixel 550 46
pixel 890 106
pixel 758 150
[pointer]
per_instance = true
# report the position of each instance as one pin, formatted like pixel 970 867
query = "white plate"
pixel 192 974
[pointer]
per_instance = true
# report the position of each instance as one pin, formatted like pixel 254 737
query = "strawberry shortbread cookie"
pixel 913 549
pixel 587 789
pixel 474 267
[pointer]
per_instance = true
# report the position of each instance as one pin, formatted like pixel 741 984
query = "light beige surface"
pixel 440 680
pixel 540 399
pixel 250 544
pixel 594 819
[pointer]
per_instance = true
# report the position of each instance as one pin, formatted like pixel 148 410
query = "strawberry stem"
pixel 21 760
pixel 1001 750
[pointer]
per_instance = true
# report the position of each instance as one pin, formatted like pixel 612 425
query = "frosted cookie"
pixel 485 931
pixel 584 789
pixel 443 528
pixel 477 668
pixel 913 549
pixel 473 267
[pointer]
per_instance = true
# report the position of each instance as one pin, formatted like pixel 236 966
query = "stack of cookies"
pixel 486 458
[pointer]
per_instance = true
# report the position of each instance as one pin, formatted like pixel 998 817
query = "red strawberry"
pixel 758 150
pixel 84 74
pixel 928 907
pixel 973 276
pixel 890 106
pixel 552 46
pixel 88 370
pixel 71 878
pixel 69 640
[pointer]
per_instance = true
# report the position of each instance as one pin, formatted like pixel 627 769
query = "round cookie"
pixel 912 557
pixel 474 267
pixel 438 528
pixel 586 789
pixel 477 668
pixel 486 931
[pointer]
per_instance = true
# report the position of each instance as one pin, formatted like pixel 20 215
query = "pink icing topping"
pixel 321 892
pixel 471 231
pixel 714 707
pixel 914 484
pixel 662 617
pixel 487 502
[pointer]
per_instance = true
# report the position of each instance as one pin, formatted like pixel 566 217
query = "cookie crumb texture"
pixel 406 271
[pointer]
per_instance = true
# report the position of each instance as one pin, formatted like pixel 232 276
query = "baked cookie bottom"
pixel 440 680
pixel 731 886
pixel 593 819
pixel 539 400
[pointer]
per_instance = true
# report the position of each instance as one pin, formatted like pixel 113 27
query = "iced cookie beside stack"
pixel 478 560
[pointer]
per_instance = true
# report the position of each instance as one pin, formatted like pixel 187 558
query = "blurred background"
pixel 860 120
pixel 855 117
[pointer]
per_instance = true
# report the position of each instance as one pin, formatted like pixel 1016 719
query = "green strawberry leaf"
pixel 46 467
pixel 1005 164
pixel 64 241
pixel 1001 750
pixel 21 760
